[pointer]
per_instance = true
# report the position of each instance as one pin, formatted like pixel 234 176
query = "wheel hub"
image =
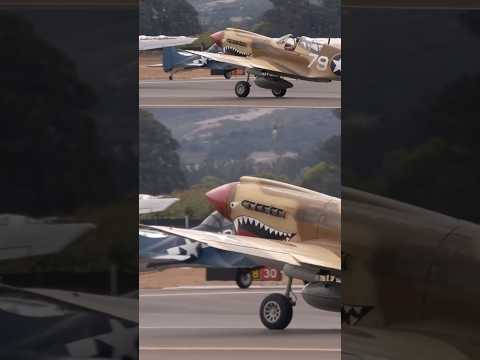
pixel 272 311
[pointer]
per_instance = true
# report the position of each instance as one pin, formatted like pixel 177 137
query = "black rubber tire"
pixel 227 75
pixel 243 279
pixel 170 77
pixel 279 92
pixel 276 311
pixel 242 89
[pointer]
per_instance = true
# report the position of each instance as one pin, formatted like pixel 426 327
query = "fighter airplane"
pixel 270 59
pixel 159 252
pixel 408 274
pixel 284 226
pixel 175 61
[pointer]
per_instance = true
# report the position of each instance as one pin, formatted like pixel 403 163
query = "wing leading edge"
pixel 287 252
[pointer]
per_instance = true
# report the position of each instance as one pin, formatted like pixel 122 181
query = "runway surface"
pixel 218 92
pixel 223 322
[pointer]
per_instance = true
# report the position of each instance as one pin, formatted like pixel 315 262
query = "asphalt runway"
pixel 222 322
pixel 219 92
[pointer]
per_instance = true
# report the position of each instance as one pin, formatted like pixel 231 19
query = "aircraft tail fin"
pixel 171 58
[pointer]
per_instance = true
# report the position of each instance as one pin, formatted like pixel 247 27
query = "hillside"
pixel 219 14
pixel 229 143
pixel 315 18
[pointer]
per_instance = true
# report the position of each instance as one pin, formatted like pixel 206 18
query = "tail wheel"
pixel 276 311
pixel 242 89
pixel 227 74
pixel 279 92
pixel 243 279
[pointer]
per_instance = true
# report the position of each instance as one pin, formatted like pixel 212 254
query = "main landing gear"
pixel 279 92
pixel 242 89
pixel 277 85
pixel 276 310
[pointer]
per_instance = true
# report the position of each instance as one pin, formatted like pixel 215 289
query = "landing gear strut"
pixel 276 310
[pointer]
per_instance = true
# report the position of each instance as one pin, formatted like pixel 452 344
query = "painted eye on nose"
pixel 232 205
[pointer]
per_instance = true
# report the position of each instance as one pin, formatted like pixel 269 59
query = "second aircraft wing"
pixel 287 252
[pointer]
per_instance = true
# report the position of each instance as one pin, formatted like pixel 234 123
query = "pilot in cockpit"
pixel 291 44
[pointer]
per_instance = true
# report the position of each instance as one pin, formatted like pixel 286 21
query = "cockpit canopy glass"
pixel 311 45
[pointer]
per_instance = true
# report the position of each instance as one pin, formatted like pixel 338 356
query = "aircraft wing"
pixel 160 42
pixel 38 239
pixel 148 204
pixel 287 252
pixel 242 62
pixel 120 307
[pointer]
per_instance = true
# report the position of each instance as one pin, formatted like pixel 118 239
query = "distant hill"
pixel 168 17
pixel 229 143
pixel 238 133
pixel 315 18
pixel 215 15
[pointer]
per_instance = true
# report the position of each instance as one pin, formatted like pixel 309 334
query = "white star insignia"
pixel 337 65
pixel 191 247
pixel 121 340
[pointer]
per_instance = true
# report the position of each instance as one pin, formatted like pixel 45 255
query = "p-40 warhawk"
pixel 407 271
pixel 284 226
pixel 270 59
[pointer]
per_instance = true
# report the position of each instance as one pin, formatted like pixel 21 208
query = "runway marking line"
pixel 226 287
pixel 159 106
pixel 208 293
pixel 206 348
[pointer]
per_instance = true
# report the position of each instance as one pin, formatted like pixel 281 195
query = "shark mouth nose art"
pixel 253 226
pixel 229 50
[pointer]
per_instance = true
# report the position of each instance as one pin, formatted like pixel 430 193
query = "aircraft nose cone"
pixel 219 198
pixel 218 37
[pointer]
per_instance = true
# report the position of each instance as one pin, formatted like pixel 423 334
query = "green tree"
pixel 322 177
pixel 160 170
pixel 51 163
pixel 301 17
